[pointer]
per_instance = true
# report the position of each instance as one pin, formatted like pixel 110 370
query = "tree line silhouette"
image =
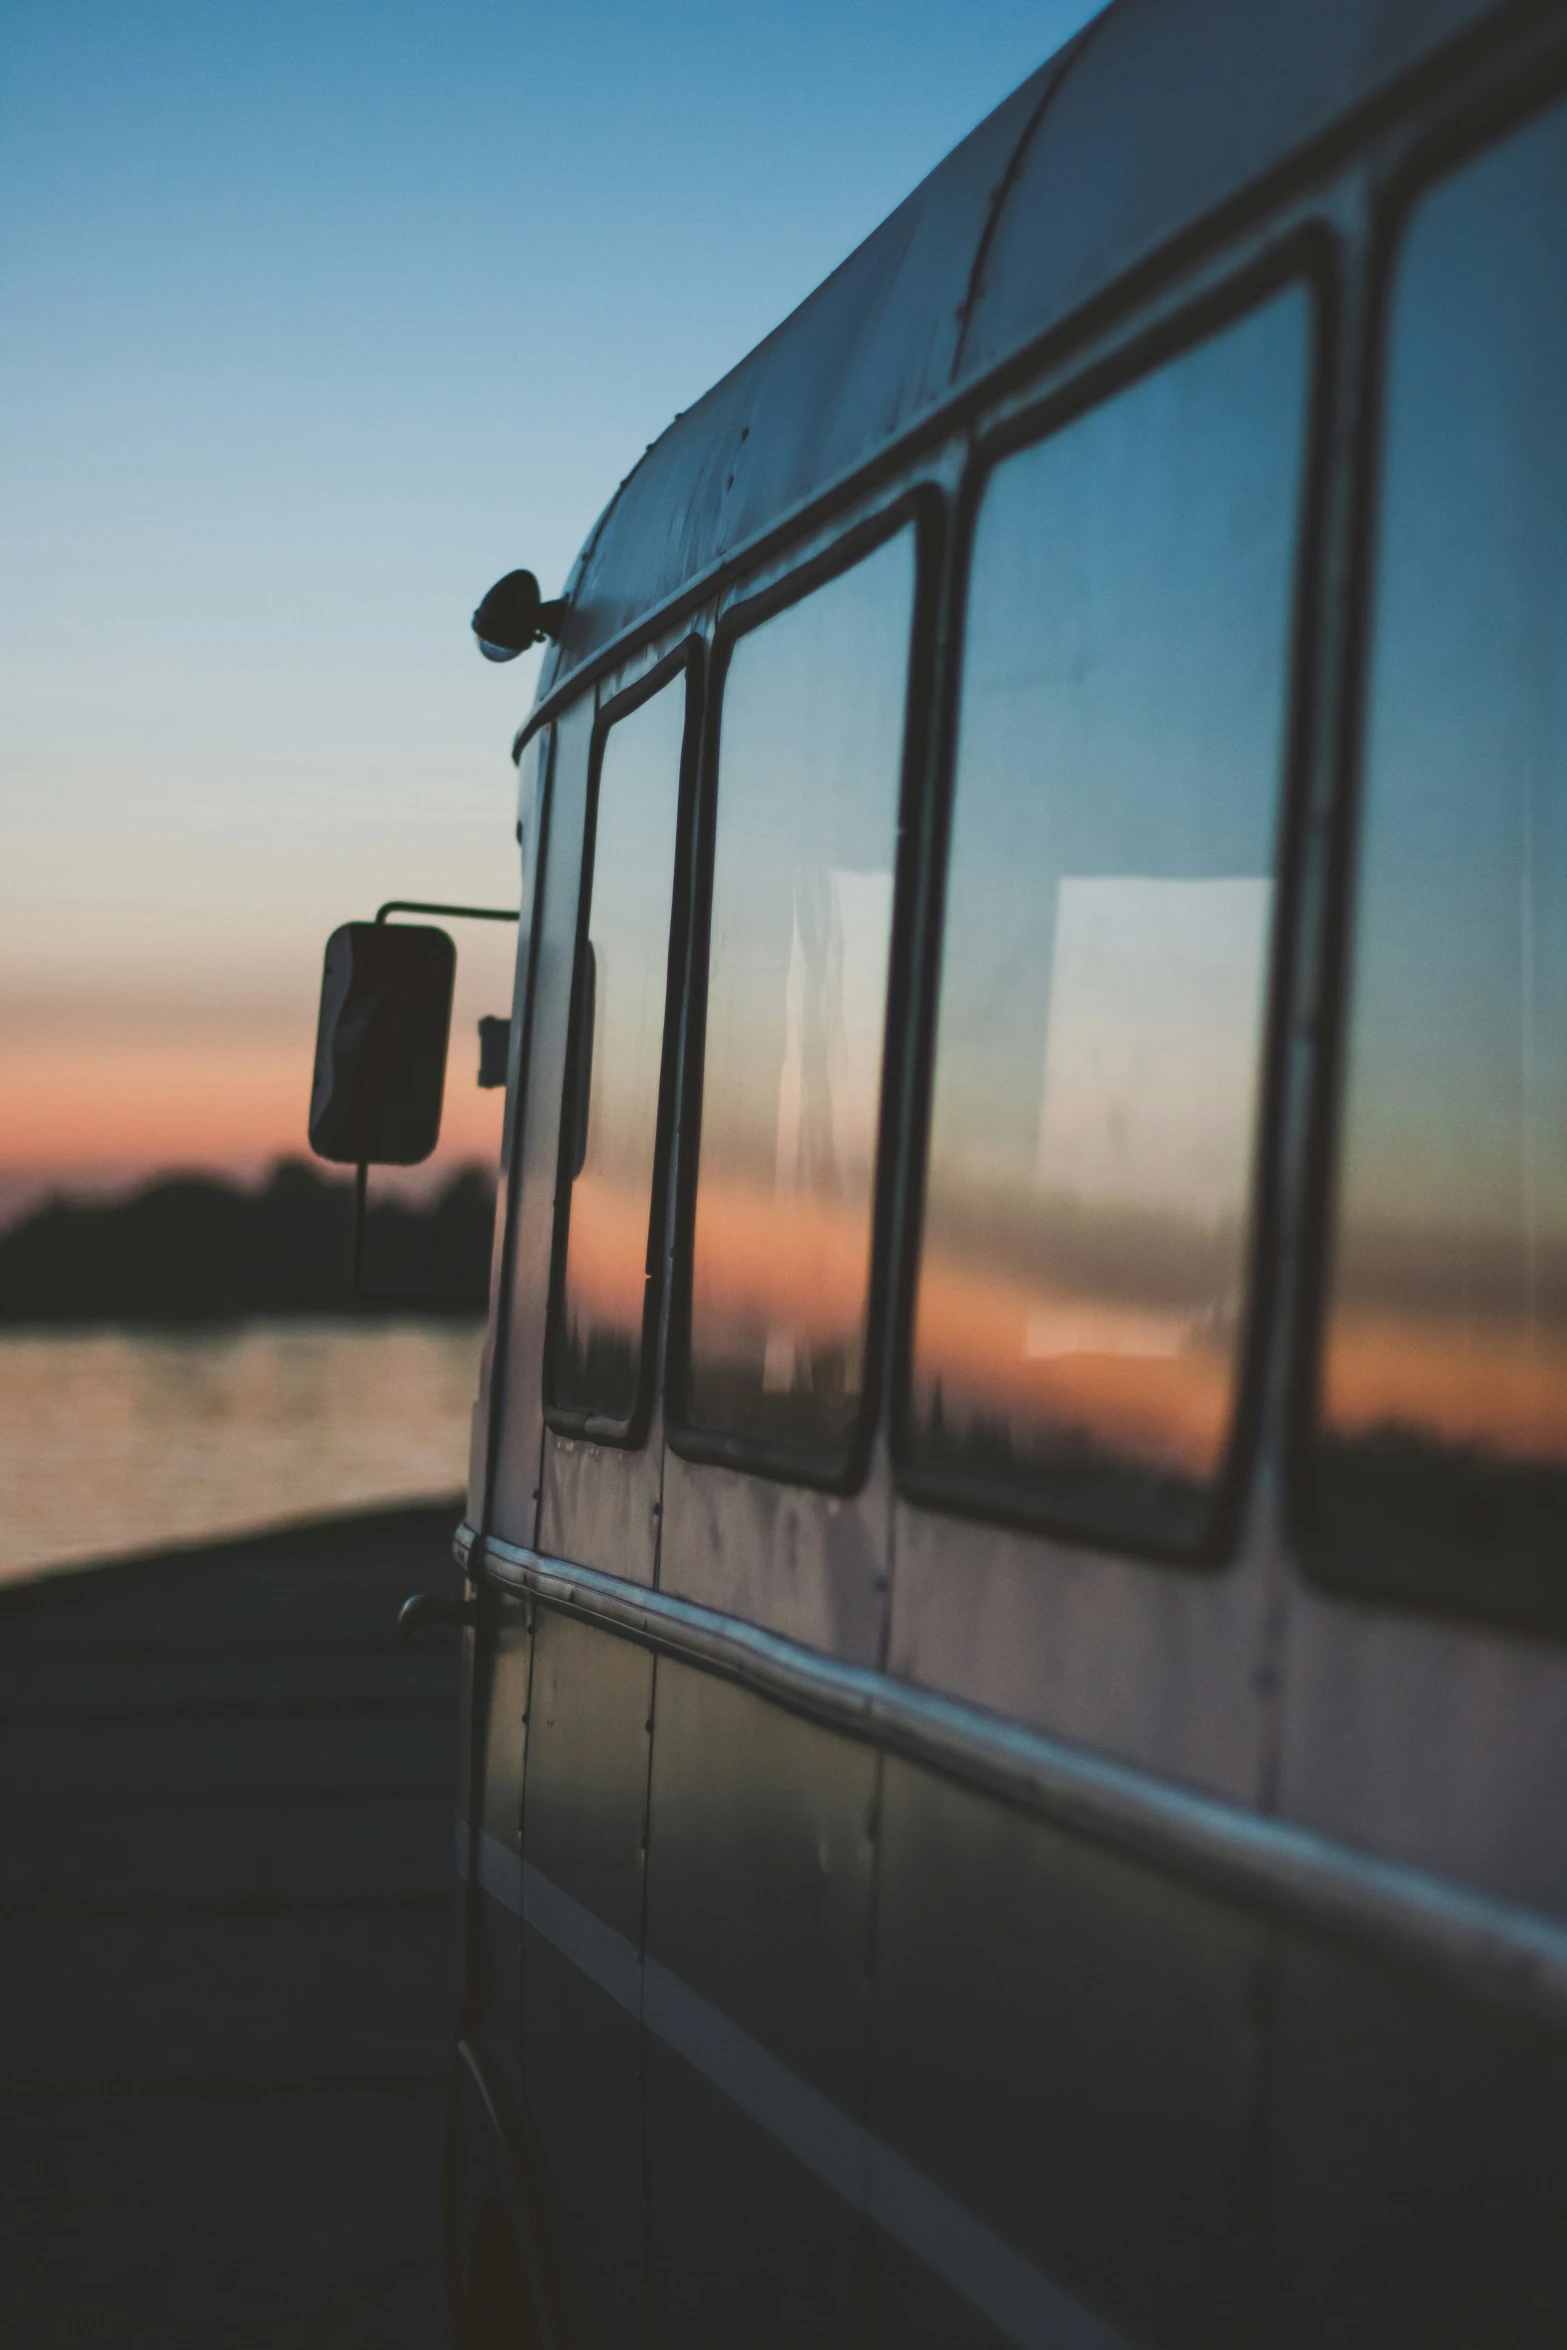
pixel 196 1249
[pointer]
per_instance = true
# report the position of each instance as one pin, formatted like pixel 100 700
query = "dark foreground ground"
pixel 227 1946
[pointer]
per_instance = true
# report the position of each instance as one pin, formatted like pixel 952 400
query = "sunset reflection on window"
pixel 1081 1295
pixel 809 780
pixel 1441 1460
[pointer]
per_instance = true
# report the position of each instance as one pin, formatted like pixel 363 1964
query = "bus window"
pixel 809 781
pixel 1082 1283
pixel 1439 1466
pixel 601 1326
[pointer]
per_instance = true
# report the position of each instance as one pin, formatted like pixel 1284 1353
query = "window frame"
pixel 1435 153
pixel 580 1420
pixel 1305 256
pixel 923 506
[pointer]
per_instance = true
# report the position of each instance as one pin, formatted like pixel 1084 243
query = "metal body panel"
pixel 494 2016
pixel 532 778
pixel 510 1657
pixel 599 1504
pixel 466 1662
pixel 759 1902
pixel 1068 2042
pixel 584 2078
pixel 1418 2165
pixel 583 1833
pixel 809 1565
pixel 1025 1970
pixel 1118 171
pixel 1496 1951
pixel 590 1719
pixel 748 2246
pixel 1438 1743
pixel 1159 1666
pixel 514 1501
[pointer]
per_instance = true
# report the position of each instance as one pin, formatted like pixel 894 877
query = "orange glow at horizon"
pixel 606 1259
pixel 202 1101
pixel 762 1262
pixel 1138 1383
pixel 759 1262
pixel 1150 1385
pixel 1448 1380
pixel 159 1103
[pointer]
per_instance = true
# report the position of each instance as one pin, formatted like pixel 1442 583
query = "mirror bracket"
pixel 357 1287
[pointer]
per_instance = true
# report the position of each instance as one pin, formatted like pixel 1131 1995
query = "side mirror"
pixel 514 616
pixel 386 1009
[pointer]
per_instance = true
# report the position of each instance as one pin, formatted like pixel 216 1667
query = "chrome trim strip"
pixel 799 2117
pixel 1493 1949
pixel 596 1950
pixel 1018 2298
pixel 1020 2301
pixel 500 1871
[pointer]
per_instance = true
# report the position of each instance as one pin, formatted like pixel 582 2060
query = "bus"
pixel 1015 1699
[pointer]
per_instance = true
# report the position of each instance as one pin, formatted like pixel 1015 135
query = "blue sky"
pixel 315 320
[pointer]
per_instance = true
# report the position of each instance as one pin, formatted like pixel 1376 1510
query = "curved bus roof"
pixel 1154 116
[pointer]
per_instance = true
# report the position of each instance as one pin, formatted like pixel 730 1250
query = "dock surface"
pixel 228 1950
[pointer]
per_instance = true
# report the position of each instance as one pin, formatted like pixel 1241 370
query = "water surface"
pixel 120 1440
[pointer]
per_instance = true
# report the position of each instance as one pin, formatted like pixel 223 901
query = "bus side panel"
pixel 811 1566
pixel 583 1830
pixel 598 1506
pixel 494 1958
pixel 532 778
pixel 1064 2044
pixel 759 1899
pixel 1419 2197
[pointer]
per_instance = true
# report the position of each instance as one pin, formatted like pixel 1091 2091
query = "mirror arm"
pixel 464 913
pixel 356 1283
pixel 361 1178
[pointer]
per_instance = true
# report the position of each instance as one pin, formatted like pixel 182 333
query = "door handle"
pixel 425 1611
